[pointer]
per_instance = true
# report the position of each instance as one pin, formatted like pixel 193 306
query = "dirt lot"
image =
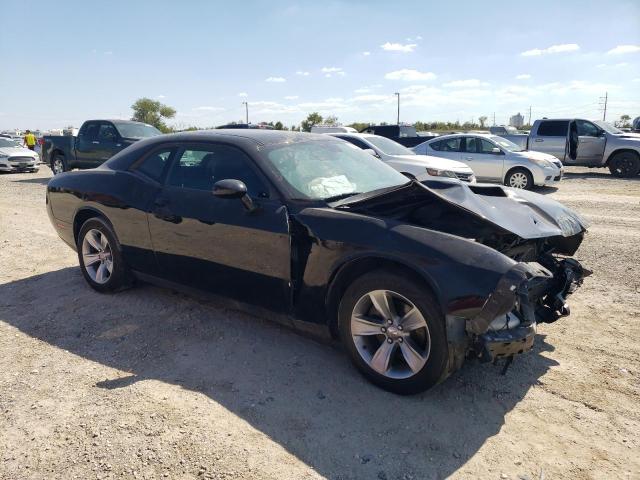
pixel 149 383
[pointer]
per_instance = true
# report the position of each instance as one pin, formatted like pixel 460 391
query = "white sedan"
pixel 16 158
pixel 405 161
pixel 496 159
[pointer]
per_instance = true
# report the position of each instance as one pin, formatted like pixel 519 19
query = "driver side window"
pixel 107 133
pixel 586 129
pixel 201 168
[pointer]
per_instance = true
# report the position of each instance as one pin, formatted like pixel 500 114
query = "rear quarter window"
pixel 553 128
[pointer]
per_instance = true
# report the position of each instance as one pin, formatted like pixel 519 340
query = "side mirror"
pixel 371 151
pixel 496 150
pixel 230 188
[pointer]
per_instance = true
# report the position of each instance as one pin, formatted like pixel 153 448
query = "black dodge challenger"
pixel 412 277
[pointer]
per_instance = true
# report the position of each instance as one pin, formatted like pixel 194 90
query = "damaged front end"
pixel 528 294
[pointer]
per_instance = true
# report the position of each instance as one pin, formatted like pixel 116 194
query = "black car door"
pixel 109 143
pixel 87 144
pixel 216 244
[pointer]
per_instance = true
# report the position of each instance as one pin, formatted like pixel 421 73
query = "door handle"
pixel 468 158
pixel 97 143
pixel 538 140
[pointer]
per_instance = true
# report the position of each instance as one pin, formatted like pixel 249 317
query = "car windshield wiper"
pixel 335 198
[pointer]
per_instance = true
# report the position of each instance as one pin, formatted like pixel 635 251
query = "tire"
pixel 366 345
pixel 58 164
pixel 519 178
pixel 625 164
pixel 97 242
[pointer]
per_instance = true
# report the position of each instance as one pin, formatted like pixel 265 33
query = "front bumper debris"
pixel 534 294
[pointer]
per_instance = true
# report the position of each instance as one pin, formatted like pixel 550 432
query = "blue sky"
pixel 65 62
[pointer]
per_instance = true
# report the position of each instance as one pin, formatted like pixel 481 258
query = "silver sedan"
pixel 495 159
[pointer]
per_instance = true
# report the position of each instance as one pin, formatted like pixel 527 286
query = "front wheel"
pixel 100 258
pixel 394 332
pixel 624 164
pixel 519 178
pixel 58 164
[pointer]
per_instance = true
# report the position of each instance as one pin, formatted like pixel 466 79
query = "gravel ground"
pixel 149 383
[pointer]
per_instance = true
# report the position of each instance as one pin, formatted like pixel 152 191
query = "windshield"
pixel 137 130
pixel 8 142
pixel 389 147
pixel 507 144
pixel 607 127
pixel 321 170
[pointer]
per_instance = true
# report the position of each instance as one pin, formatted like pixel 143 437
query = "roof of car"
pixel 351 134
pixel 452 135
pixel 259 136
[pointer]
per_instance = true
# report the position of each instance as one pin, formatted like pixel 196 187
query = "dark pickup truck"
pixel 403 134
pixel 97 142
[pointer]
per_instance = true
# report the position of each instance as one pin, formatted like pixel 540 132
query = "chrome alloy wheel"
pixel 518 180
pixel 96 256
pixel 390 334
pixel 58 166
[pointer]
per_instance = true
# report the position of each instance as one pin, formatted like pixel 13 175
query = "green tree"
pixel 152 112
pixel 331 120
pixel 624 121
pixel 359 126
pixel 278 126
pixel 482 120
pixel 313 119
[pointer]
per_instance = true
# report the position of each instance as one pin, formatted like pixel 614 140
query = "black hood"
pixel 525 214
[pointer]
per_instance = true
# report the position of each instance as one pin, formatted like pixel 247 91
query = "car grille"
pixel 21 159
pixel 557 178
pixel 465 177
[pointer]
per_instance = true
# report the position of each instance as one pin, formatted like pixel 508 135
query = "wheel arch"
pixel 85 213
pixel 621 150
pixel 351 269
pixel 518 167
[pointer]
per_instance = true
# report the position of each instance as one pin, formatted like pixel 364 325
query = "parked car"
pixel 307 229
pixel 332 129
pixel 579 142
pixel 504 130
pixel 496 159
pixel 14 157
pixel 97 141
pixel 407 161
pixel 403 134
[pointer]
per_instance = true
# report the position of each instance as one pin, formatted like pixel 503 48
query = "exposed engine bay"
pixel 535 231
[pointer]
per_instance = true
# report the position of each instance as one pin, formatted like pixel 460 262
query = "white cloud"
pixel 330 69
pixel 367 88
pixel 399 47
pixel 621 64
pixel 409 75
pixel 275 79
pixel 109 52
pixel 291 97
pixel 601 65
pixel 206 108
pixel 302 73
pixel 620 49
pixel 161 96
pixel 523 76
pixel 374 98
pixel 243 94
pixel 565 47
pixel 366 54
pixel 636 79
pixel 472 82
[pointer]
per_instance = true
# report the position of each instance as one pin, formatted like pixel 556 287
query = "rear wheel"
pixel 100 258
pixel 625 164
pixel 58 164
pixel 519 178
pixel 394 333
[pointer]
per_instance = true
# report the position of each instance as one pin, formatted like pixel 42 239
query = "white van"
pixel 332 129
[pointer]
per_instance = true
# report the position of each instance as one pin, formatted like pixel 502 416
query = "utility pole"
pixel 397 94
pixel 529 122
pixel 603 103
pixel 494 119
pixel 246 108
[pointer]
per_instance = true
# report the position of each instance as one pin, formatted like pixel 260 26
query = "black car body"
pixel 403 134
pixel 97 142
pixel 481 253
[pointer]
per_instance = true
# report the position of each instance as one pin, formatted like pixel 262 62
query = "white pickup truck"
pixel 575 141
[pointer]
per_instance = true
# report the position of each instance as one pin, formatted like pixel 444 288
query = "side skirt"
pixel 315 331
